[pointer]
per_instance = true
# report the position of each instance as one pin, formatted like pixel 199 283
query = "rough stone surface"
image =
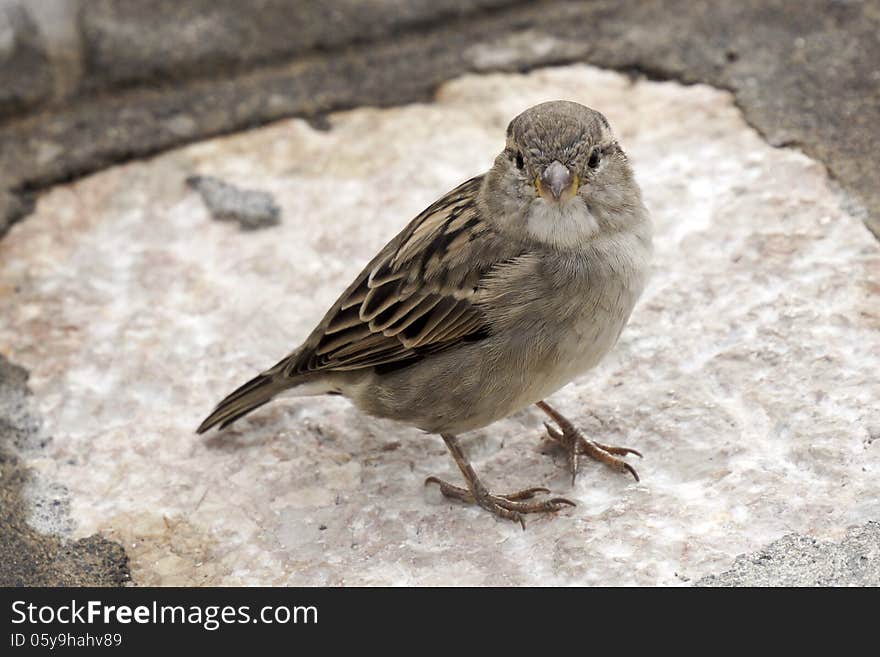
pixel 18 424
pixel 25 75
pixel 30 557
pixel 747 376
pixel 251 208
pixel 142 41
pixel 805 74
pixel 12 208
pixel 796 560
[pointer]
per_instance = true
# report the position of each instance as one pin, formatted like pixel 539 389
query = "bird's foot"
pixel 510 506
pixel 575 445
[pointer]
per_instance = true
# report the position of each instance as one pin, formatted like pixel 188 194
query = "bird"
pixel 504 290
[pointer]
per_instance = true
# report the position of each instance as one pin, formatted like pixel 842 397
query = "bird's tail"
pixel 253 394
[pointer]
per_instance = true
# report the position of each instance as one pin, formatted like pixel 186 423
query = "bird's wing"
pixel 415 297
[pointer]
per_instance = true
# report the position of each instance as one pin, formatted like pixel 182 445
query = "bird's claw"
pixel 509 506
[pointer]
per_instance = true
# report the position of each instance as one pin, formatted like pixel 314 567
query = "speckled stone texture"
pixel 796 560
pixel 747 377
pixel 34 511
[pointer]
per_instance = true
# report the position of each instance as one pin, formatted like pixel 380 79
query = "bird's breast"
pixel 588 300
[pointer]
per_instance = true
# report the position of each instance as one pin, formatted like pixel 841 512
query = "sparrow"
pixel 504 290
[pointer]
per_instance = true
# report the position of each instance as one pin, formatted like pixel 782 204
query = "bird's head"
pixel 562 177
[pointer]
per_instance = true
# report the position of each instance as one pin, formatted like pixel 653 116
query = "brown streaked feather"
pixel 417 295
pixel 355 299
pixel 380 298
pixel 405 313
pixel 413 338
pixel 451 325
pixel 346 318
pixel 335 341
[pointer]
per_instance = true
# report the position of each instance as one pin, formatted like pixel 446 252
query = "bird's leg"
pixel 574 443
pixel 508 506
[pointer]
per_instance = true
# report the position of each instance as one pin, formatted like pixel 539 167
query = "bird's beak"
pixel 557 183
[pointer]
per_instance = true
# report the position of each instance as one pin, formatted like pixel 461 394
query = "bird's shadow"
pixel 344 429
pixel 251 432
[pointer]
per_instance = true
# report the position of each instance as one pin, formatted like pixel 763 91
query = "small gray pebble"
pixel 252 209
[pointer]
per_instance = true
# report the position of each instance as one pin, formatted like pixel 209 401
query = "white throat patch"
pixel 564 224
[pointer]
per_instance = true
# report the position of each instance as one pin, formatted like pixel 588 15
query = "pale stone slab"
pixel 747 377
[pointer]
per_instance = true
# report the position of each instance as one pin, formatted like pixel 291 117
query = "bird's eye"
pixel 520 163
pixel 595 156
